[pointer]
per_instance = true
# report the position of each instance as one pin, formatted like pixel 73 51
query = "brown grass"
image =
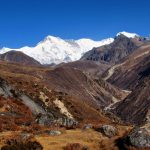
pixel 90 138
pixel 86 138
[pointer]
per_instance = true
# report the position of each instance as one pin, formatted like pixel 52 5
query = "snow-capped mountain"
pixel 56 50
pixel 127 34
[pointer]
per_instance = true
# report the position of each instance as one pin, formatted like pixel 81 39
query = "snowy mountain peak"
pixel 53 38
pixel 50 39
pixel 127 34
pixel 56 50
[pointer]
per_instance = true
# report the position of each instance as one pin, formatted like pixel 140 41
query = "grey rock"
pixel 139 137
pixel 44 120
pixel 5 89
pixel 66 122
pixel 53 132
pixel 108 130
pixel 34 107
pixel 87 126
pixel 114 52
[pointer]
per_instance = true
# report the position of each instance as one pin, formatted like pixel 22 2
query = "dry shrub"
pixel 75 146
pixel 13 144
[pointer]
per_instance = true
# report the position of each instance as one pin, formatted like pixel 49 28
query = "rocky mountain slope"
pixel 114 52
pixel 67 87
pixel 137 104
pixel 128 72
pixel 129 60
pixel 132 74
pixel 92 68
pixel 78 84
pixel 41 103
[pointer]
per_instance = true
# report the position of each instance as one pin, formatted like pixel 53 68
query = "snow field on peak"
pixel 56 50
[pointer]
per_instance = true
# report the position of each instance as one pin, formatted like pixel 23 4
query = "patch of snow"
pixel 127 34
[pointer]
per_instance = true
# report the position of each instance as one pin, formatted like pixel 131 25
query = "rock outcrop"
pixel 108 130
pixel 139 138
pixel 114 52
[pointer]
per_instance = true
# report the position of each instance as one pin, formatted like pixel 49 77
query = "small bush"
pixel 75 146
pixel 28 145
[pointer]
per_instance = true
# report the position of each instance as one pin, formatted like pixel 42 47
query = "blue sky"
pixel 26 22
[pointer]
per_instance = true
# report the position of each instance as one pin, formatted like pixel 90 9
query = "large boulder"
pixel 108 130
pixel 139 137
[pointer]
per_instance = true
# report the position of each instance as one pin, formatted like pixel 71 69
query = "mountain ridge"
pixel 19 57
pixel 55 50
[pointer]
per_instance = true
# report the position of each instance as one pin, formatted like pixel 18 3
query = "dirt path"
pixel 115 100
pixel 111 71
